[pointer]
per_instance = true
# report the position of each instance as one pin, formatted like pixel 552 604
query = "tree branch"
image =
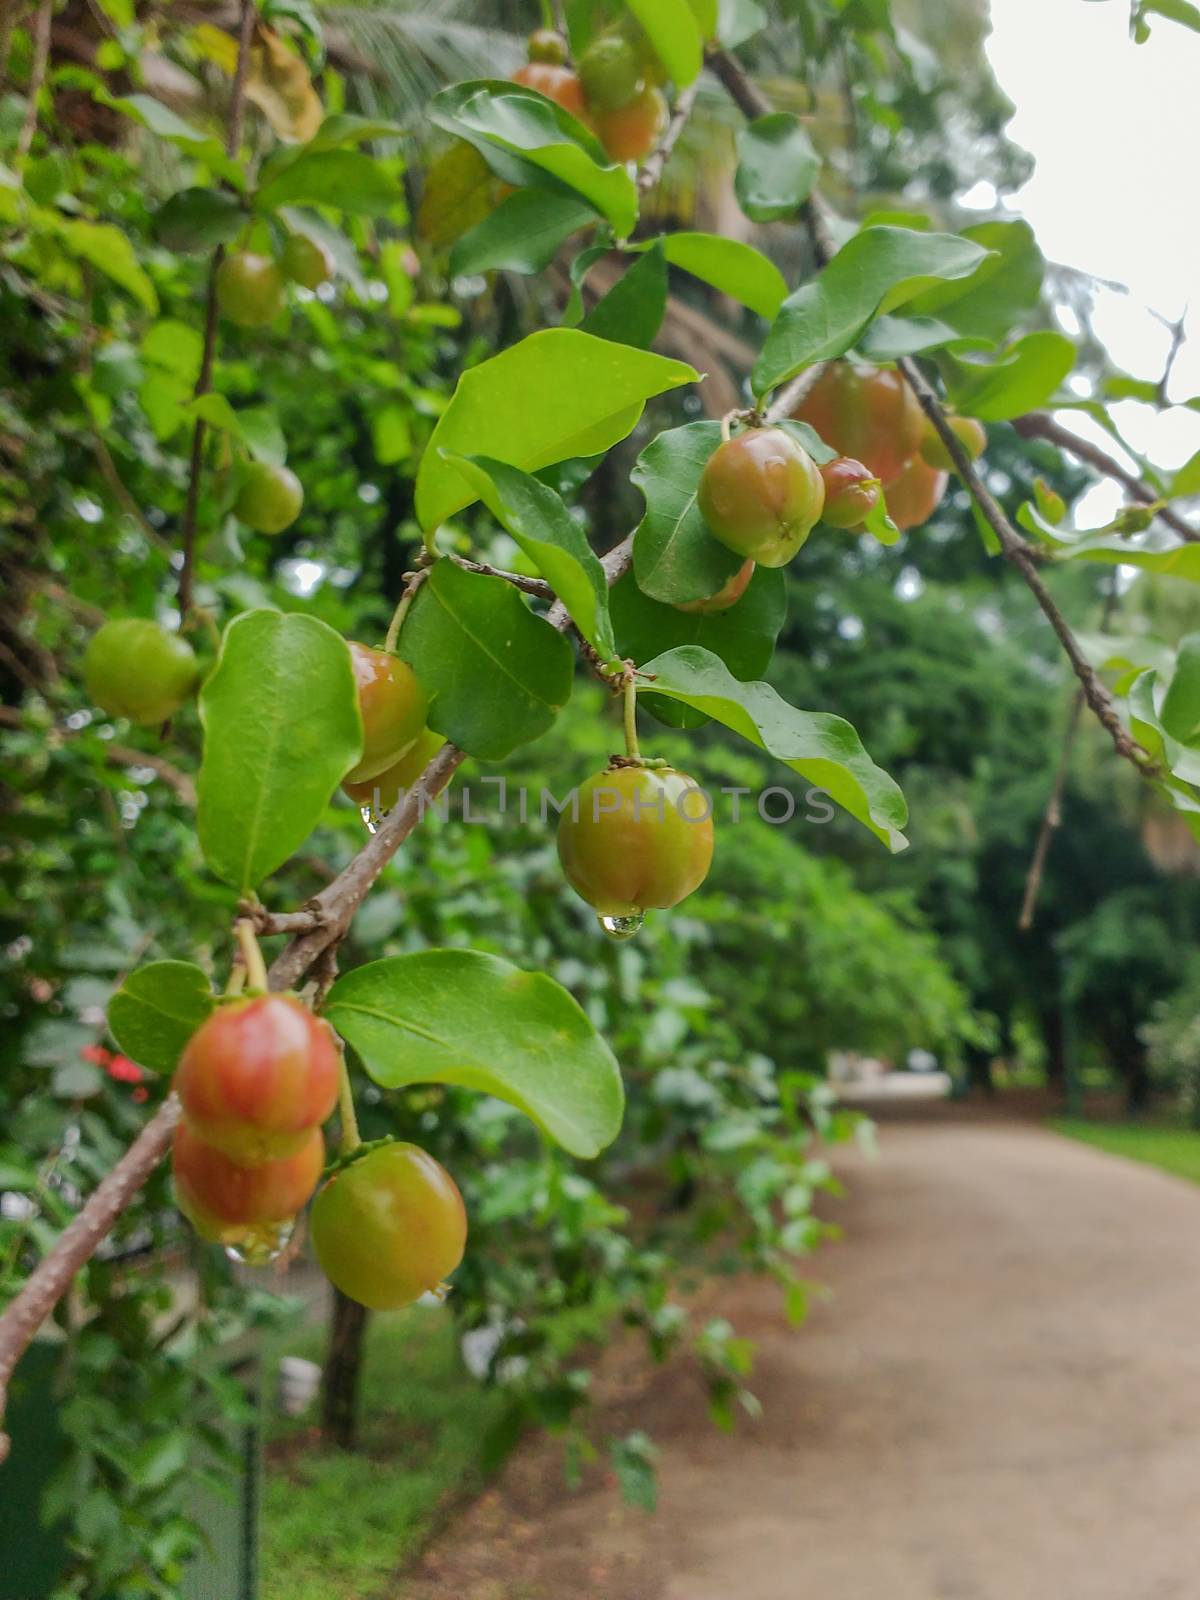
pixel 1038 425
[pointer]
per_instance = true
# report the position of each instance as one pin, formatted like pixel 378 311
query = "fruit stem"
pixel 632 748
pixel 351 1138
pixel 401 611
pixel 252 957
pixel 237 978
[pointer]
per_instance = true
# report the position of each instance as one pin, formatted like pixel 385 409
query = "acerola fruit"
pixel 306 262
pixel 916 494
pixel 851 493
pixel 250 289
pixel 761 495
pixel 270 497
pixel 728 595
pixel 867 413
pixel 394 708
pixel 632 131
pixel 639 839
pixel 258 1076
pixel 970 434
pixel 389 1227
pixel 135 668
pixel 610 72
pixel 546 45
pixel 220 1197
pixel 559 84
pixel 381 793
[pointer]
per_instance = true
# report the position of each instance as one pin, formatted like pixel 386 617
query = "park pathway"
pixel 1001 1401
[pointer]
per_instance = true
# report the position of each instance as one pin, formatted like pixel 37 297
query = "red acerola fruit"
pixel 221 1197
pixel 394 708
pixel 851 493
pixel 867 413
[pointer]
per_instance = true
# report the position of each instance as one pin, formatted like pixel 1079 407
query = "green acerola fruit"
pixel 639 839
pixel 761 495
pixel 135 668
pixel 970 434
pixel 548 45
pixel 379 794
pixel 269 498
pixel 306 262
pixel 611 72
pixel 394 707
pixel 250 289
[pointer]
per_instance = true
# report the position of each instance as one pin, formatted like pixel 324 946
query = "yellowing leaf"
pixel 279 85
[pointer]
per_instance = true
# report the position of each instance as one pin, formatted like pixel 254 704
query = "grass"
pixel 337 1526
pixel 1172 1149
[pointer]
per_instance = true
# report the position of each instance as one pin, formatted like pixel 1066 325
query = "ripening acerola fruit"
pixel 381 792
pixel 221 1197
pixel 970 434
pixel 867 413
pixel 559 84
pixel 631 131
pixel 250 289
pixel 727 595
pixel 394 708
pixel 916 494
pixel 852 492
pixel 639 839
pixel 269 497
pixel 548 46
pixel 610 71
pixel 135 668
pixel 389 1227
pixel 761 495
pixel 306 262
pixel 258 1076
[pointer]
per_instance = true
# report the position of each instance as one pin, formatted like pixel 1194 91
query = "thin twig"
pixel 37 74
pixel 1038 425
pixel 652 167
pixel 538 587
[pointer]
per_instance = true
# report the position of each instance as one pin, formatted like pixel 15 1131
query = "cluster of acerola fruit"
pixel 616 90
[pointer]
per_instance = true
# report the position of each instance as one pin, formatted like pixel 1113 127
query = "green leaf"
pixel 739 20
pixel 1021 380
pixel 198 219
pixel 281 730
pixel 256 427
pixel 1182 11
pixel 473 1020
pixel 733 268
pixel 673 29
pixel 459 193
pixel 1156 551
pixel 526 138
pixel 824 749
pixel 675 557
pixel 742 637
pixel 777 167
pixel 349 180
pixel 391 433
pixel 1187 480
pixel 540 523
pixel 877 270
pixel 1180 713
pixel 705 13
pixel 633 309
pixel 1005 285
pixel 522 234
pixel 343 128
pixel 156 1011
pixel 166 124
pixel 889 338
pixel 107 248
pixel 497 676
pixel 558 394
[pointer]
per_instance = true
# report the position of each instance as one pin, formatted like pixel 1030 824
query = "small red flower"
pixel 97 1054
pixel 140 1094
pixel 124 1070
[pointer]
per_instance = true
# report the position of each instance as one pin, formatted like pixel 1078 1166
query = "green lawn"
pixel 1174 1150
pixel 337 1526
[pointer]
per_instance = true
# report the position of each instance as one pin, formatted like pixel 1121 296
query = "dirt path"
pixel 1001 1402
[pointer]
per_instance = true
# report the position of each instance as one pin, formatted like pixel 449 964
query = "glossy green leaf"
pixel 281 730
pixel 777 167
pixel 673 28
pixel 890 338
pixel 540 523
pixel 526 138
pixel 731 267
pixel 1187 480
pixel 876 271
pixel 349 180
pixel 1147 697
pixel 523 234
pixel 1021 380
pixel 1180 711
pixel 1006 284
pixel 557 394
pixel 705 13
pixel 342 128
pixel 497 676
pixel 1157 551
pixel 475 1021
pixel 198 219
pixel 108 249
pixel 633 309
pixel 742 637
pixel 255 426
pixel 824 749
pixel 675 557
pixel 156 1011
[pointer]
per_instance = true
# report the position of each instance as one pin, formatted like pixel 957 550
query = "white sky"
pixel 1115 130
